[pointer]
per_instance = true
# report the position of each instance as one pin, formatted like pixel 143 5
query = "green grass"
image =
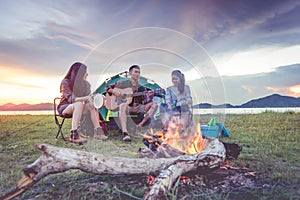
pixel 270 144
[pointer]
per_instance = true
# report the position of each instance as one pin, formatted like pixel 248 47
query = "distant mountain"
pixel 207 105
pixel 26 107
pixel 274 100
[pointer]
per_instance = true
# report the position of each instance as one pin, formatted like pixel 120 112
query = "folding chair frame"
pixel 58 122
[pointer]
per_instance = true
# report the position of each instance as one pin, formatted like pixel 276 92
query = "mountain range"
pixel 26 107
pixel 274 100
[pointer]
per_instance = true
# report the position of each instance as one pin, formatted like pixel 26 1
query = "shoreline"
pixel 195 111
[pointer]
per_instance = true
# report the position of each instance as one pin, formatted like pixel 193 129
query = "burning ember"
pixel 150 180
pixel 176 141
pixel 183 179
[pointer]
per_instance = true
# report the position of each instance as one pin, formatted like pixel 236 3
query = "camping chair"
pixel 59 122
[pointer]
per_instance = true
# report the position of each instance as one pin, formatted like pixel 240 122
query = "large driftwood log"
pixel 57 160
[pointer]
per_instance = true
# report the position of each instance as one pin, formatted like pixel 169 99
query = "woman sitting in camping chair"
pixel 178 101
pixel 76 100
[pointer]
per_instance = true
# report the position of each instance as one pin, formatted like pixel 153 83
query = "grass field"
pixel 271 150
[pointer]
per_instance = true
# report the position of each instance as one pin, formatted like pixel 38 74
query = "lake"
pixel 195 111
pixel 244 110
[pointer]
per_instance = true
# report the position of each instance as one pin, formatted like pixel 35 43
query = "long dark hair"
pixel 181 78
pixel 79 86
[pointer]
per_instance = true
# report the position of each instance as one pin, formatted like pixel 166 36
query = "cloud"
pixel 237 90
pixel 257 60
pixel 245 25
pixel 240 89
pixel 33 56
pixel 25 20
pixel 46 37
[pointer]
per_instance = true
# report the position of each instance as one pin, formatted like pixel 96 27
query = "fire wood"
pixel 57 160
pixel 210 157
pixel 166 151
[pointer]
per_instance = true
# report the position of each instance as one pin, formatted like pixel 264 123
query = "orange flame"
pixel 196 144
pixel 150 180
pixel 188 145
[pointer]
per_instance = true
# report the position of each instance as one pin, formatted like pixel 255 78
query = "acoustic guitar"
pixel 113 102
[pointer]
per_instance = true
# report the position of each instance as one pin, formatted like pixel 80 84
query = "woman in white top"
pixel 178 100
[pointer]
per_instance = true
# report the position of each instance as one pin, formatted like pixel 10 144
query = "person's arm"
pixel 87 98
pixel 168 98
pixel 114 92
pixel 187 98
pixel 188 95
pixel 149 94
pixel 68 94
pixel 111 89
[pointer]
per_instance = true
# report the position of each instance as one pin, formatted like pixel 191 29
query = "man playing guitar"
pixel 139 104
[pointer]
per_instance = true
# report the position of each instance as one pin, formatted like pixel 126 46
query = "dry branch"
pixel 57 160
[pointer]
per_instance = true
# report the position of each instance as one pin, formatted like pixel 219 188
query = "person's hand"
pixel 110 90
pixel 151 93
pixel 90 98
pixel 114 92
pixel 184 102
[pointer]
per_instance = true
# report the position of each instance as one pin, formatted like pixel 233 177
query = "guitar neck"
pixel 113 102
pixel 159 91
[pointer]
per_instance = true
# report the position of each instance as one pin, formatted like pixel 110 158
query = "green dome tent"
pixel 147 83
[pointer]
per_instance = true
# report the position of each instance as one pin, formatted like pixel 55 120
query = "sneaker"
pixel 101 137
pixel 99 134
pixel 126 137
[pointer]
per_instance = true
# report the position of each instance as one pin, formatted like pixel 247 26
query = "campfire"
pixel 173 142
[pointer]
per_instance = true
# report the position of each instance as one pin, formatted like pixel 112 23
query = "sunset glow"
pixel 24 87
pixel 295 90
pixel 252 61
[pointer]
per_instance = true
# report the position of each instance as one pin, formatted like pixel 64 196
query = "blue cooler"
pixel 210 131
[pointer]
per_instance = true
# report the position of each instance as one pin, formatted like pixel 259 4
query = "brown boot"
pixel 74 137
pixel 99 134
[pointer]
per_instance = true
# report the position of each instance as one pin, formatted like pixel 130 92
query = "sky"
pixel 230 51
